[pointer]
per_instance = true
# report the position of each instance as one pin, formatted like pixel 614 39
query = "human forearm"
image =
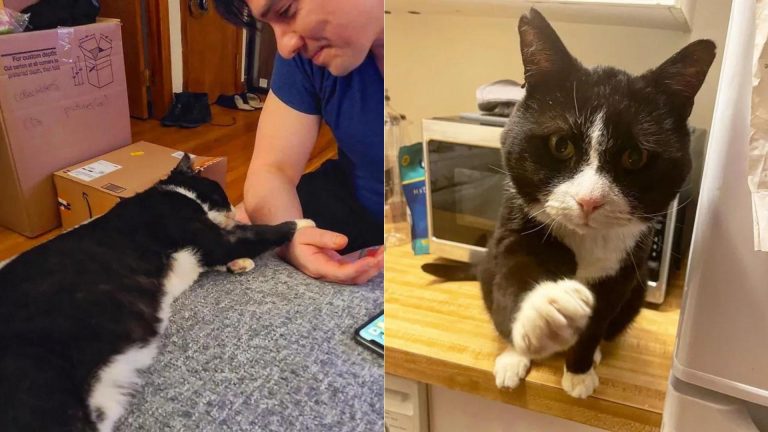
pixel 270 197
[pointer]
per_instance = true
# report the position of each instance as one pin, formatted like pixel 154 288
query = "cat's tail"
pixel 451 272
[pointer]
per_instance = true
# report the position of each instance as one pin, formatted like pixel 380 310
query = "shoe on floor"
pixel 233 102
pixel 253 100
pixel 196 112
pixel 173 116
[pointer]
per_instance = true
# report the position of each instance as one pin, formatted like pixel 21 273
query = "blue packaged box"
pixel 412 178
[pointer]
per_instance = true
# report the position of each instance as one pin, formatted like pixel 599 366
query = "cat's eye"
pixel 561 147
pixel 635 158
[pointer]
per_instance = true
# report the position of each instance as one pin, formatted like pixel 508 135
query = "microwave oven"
pixel 464 182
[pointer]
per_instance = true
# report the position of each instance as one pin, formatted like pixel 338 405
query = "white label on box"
pixel 94 170
pixel 180 154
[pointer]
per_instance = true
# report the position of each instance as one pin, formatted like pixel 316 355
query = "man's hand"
pixel 313 251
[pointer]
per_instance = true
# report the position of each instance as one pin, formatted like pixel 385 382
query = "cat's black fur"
pixel 649 111
pixel 68 306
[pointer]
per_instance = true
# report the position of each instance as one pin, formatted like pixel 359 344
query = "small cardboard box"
pixel 91 188
pixel 63 99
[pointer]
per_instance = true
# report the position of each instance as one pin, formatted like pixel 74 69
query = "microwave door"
pixel 466 186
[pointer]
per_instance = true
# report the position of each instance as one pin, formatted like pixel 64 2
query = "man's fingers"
pixel 365 277
pixel 371 266
pixel 347 273
pixel 333 255
pixel 321 238
pixel 378 266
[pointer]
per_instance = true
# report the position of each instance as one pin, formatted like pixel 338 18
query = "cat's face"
pixel 208 192
pixel 599 148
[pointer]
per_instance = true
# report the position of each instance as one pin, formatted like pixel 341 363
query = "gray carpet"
pixel 269 350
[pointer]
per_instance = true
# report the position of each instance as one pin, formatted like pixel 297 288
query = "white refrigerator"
pixel 719 377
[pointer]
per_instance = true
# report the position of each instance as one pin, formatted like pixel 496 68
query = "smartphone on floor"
pixel 371 334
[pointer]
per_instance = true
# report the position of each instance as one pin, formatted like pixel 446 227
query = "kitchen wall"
pixel 434 63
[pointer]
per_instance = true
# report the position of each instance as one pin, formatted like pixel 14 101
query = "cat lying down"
pixel 81 315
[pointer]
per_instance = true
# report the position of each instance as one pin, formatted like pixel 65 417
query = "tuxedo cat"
pixel 591 157
pixel 81 314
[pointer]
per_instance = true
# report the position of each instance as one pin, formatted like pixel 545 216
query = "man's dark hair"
pixel 236 12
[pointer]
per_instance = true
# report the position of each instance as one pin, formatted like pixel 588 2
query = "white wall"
pixel 177 72
pixel 434 63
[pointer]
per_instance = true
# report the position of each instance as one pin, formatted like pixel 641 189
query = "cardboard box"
pixel 63 99
pixel 90 188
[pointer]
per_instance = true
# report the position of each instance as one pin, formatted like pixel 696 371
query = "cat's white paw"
pixel 241 265
pixel 304 223
pixel 510 368
pixel 580 385
pixel 551 317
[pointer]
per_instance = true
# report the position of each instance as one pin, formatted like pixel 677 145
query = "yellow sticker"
pixel 137 153
pixel 406 160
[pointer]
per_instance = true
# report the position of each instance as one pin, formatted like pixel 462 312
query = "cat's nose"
pixel 589 204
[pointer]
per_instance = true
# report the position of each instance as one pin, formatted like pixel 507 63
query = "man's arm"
pixel 284 141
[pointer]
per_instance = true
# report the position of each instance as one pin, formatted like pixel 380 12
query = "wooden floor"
pixel 235 142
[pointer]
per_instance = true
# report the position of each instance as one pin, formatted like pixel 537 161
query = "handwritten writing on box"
pixel 38 90
pixel 94 104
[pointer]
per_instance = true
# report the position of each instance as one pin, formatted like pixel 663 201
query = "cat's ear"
pixel 681 76
pixel 544 55
pixel 185 165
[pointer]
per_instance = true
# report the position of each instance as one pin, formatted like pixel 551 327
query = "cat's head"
pixel 209 193
pixel 600 148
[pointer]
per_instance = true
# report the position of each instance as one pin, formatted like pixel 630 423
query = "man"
pixel 329 67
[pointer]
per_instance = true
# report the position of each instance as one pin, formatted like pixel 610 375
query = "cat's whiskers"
pixel 634 264
pixel 552 225
pixel 545 223
pixel 499 169
pixel 619 217
pixel 532 215
pixel 573 125
pixel 664 212
pixel 647 235
pixel 535 229
pixel 575 105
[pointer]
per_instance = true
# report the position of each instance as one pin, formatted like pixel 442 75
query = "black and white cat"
pixel 81 314
pixel 592 156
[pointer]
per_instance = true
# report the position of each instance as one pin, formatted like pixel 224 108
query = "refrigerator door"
pixel 690 408
pixel 722 341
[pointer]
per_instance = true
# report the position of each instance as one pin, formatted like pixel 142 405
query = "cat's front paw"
pixel 510 368
pixel 240 265
pixel 551 317
pixel 304 223
pixel 580 385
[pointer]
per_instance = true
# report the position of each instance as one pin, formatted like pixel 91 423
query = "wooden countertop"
pixel 440 333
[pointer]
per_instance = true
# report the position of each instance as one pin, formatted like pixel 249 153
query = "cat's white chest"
pixel 599 254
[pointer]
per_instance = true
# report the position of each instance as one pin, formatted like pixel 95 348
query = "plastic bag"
pixel 12 21
pixel 395 210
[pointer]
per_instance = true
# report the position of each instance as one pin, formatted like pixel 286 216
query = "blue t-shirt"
pixel 353 107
